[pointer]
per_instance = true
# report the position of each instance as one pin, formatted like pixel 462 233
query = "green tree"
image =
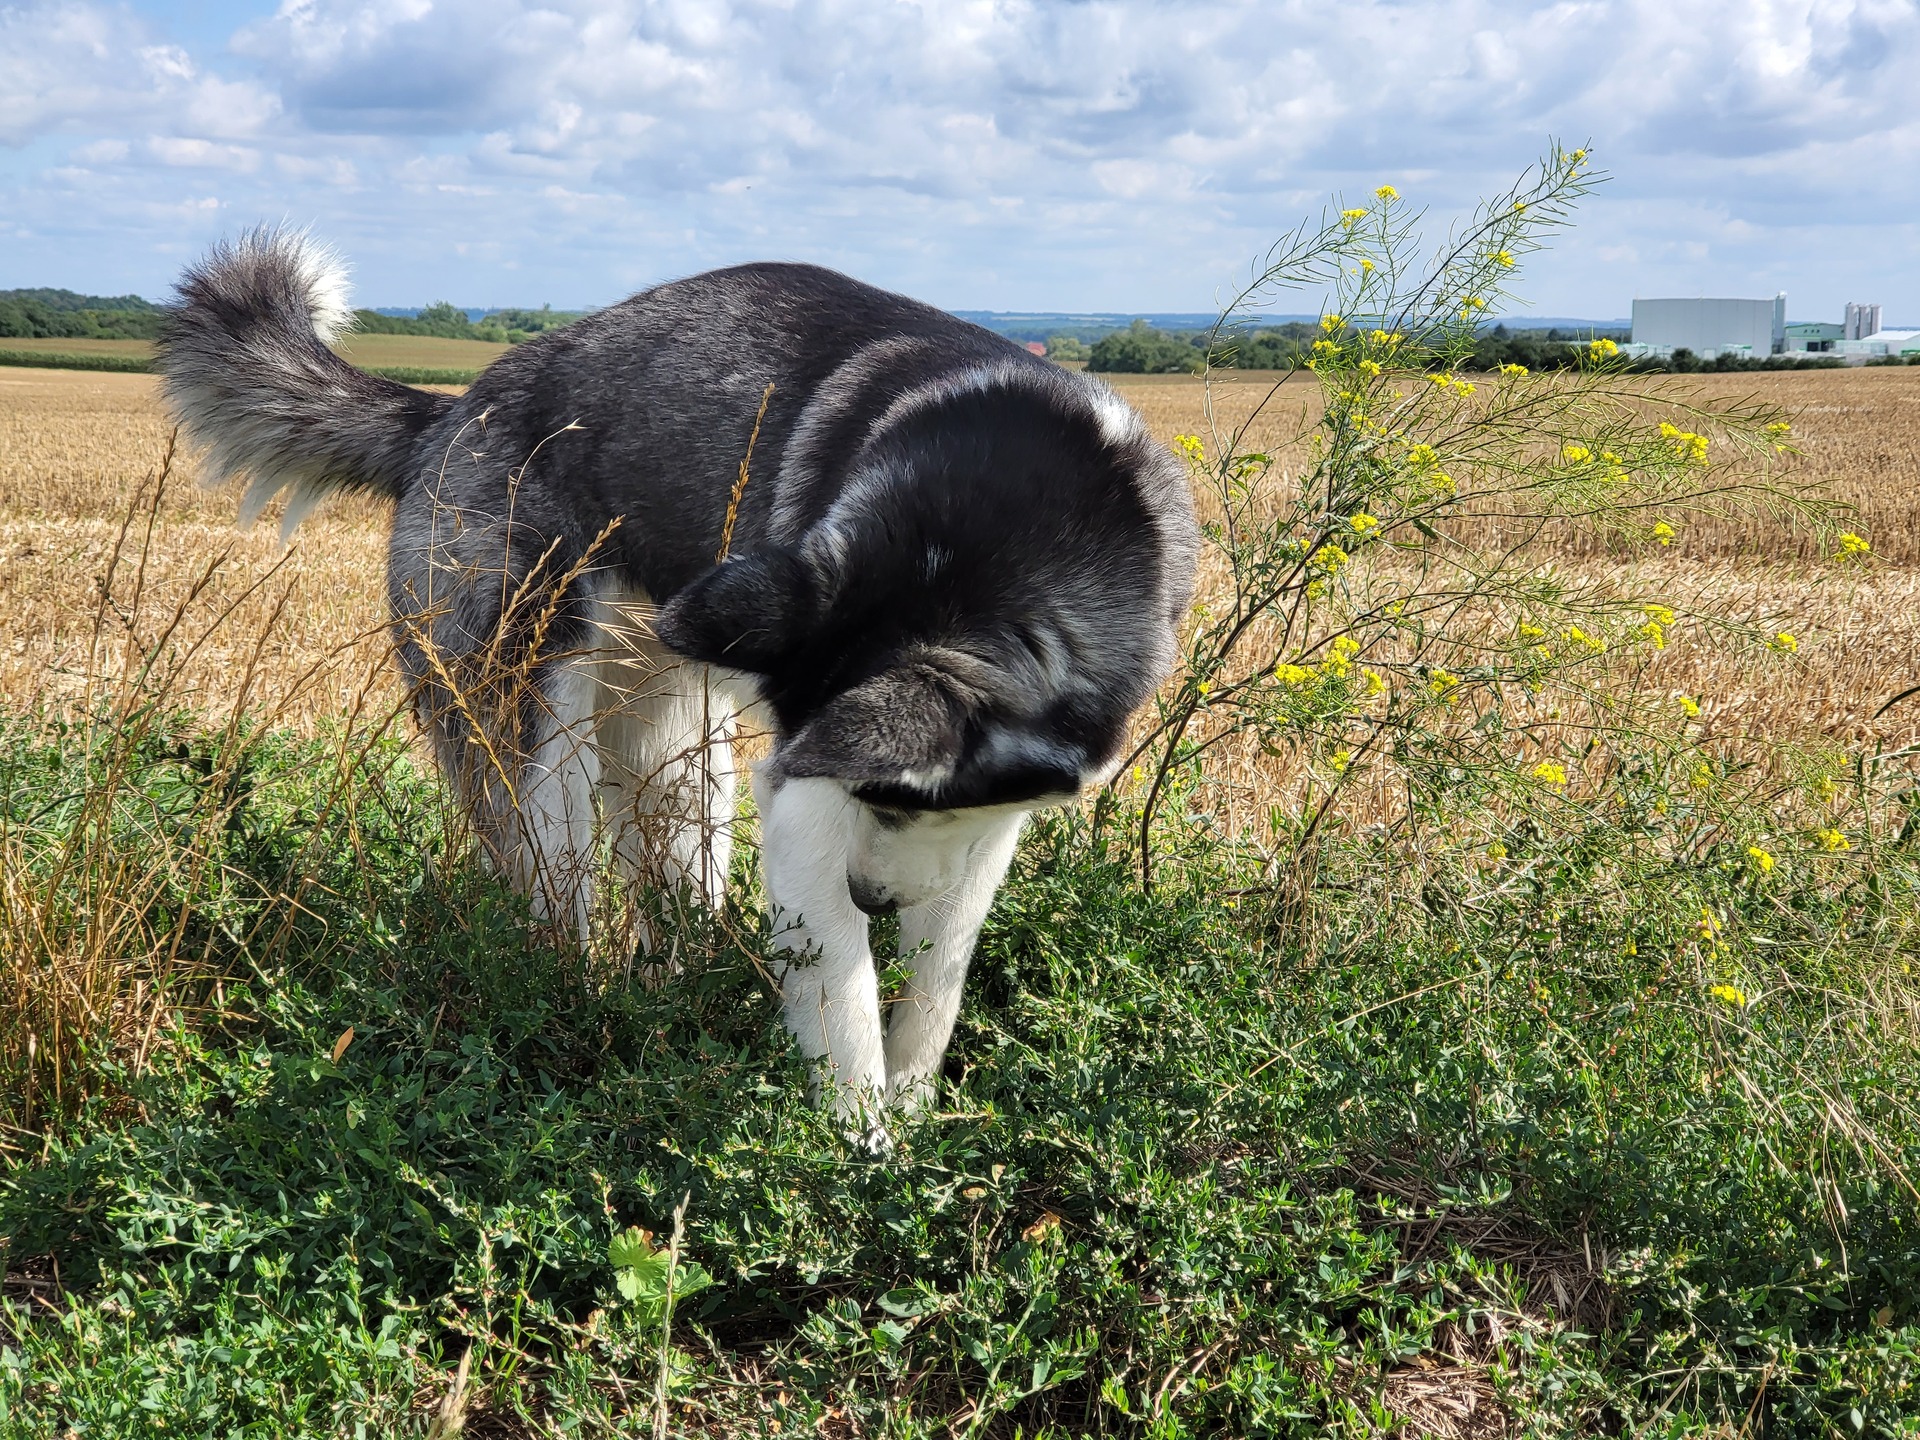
pixel 1142 350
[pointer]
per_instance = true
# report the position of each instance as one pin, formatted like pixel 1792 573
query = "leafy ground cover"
pixel 1479 1150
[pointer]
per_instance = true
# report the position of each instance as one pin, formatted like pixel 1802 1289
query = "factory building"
pixel 1755 329
pixel 1814 337
pixel 1710 328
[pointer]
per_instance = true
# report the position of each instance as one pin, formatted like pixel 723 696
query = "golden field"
pixel 306 622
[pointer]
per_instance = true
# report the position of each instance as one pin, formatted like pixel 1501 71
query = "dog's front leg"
pixel 829 989
pixel 936 942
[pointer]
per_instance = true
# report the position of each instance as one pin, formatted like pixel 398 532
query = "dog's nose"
pixel 870 898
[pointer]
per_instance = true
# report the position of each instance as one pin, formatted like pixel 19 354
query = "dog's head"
pixel 970 626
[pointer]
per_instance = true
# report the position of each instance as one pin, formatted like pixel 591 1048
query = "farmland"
pixel 73 447
pixel 407 352
pixel 1589 1115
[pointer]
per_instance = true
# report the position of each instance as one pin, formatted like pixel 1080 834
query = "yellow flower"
pixel 1331 323
pixel 1349 218
pixel 1342 651
pixel 1784 643
pixel 1366 267
pixel 1728 994
pixel 1503 258
pixel 1292 674
pixel 1850 545
pixel 1594 643
pixel 1578 454
pixel 1330 556
pixel 1190 446
pixel 1551 773
pixel 1530 632
pixel 1465 387
pixel 1602 350
pixel 1513 370
pixel 1702 776
pixel 1442 381
pixel 1663 532
pixel 1340 760
pixel 1659 614
pixel 1443 483
pixel 1519 207
pixel 1422 455
pixel 1370 368
pixel 1203 689
pixel 1387 194
pixel 1496 851
pixel 1831 840
pixel 1443 683
pixel 1375 685
pixel 1363 523
pixel 1762 861
pixel 1651 631
pixel 1690 707
pixel 1826 787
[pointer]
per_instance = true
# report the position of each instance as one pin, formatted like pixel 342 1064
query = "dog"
pixel 942 570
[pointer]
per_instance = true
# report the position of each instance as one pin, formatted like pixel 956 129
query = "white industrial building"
pixel 1755 329
pixel 1710 328
pixel 1880 345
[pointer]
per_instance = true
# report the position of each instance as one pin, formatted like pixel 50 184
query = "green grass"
pixel 1205 1167
pixel 136 357
pixel 60 360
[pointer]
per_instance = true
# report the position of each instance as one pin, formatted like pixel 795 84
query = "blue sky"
pixel 982 154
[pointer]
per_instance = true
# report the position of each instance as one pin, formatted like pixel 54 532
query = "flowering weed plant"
pixel 1364 615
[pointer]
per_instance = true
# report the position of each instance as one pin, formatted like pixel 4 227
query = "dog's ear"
pixel 900 729
pixel 746 613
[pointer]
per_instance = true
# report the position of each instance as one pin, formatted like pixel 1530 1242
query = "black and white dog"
pixel 952 570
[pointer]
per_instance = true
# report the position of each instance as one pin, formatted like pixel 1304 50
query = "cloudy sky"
pixel 982 154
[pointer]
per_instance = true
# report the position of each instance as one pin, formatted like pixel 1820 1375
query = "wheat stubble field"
pixel 75 447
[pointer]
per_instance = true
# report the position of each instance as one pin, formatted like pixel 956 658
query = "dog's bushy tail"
pixel 249 376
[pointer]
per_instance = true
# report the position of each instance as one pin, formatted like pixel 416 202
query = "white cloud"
pixel 995 152
pixel 202 154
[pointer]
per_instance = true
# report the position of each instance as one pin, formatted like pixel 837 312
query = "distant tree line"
pixel 449 322
pixel 1140 349
pixel 64 315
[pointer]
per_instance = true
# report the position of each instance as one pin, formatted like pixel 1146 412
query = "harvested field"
pixel 74 447
pixel 428 352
